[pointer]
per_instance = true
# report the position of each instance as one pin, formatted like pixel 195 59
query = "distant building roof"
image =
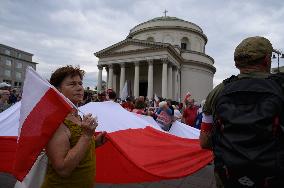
pixel 5 46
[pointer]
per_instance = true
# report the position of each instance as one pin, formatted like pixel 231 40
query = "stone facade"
pixel 163 56
pixel 13 65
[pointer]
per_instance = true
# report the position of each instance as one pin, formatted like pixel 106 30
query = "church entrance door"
pixel 143 86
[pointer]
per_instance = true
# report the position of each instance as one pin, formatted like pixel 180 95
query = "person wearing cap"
pixel 4 98
pixel 253 59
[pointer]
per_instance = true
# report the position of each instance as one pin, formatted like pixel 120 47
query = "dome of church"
pixel 166 18
pixel 165 21
pixel 172 30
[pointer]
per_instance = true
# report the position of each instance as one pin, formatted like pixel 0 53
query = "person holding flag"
pixel 71 149
pixel 46 119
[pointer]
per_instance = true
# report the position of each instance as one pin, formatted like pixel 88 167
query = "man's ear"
pixel 267 60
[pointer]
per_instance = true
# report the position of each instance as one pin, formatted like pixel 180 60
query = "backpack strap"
pixel 279 78
pixel 230 79
pixel 225 82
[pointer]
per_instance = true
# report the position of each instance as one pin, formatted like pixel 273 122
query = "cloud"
pixel 69 32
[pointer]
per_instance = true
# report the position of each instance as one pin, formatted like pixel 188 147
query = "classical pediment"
pixel 130 46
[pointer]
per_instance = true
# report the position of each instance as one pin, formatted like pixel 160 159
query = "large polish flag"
pixel 137 149
pixel 143 152
pixel 42 110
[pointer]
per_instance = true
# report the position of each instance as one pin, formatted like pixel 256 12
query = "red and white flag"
pixel 143 152
pixel 43 108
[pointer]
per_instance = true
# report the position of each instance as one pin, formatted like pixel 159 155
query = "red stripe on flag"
pixel 144 155
pixel 37 129
pixel 206 127
pixel 7 153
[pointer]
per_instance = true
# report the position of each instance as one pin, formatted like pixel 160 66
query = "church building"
pixel 163 56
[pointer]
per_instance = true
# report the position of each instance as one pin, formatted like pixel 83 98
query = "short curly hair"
pixel 61 73
pixel 139 104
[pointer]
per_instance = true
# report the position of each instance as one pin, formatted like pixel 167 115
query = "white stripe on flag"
pixel 31 96
pixel 207 118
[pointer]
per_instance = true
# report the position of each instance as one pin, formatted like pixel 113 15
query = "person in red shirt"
pixel 139 106
pixel 190 113
pixel 128 105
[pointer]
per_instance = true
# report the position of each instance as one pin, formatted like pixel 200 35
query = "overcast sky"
pixel 61 32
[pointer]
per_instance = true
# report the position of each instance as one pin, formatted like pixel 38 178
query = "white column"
pixel 122 78
pixel 150 79
pixel 170 82
pixel 107 70
pixel 175 94
pixel 110 77
pixel 114 81
pixel 179 86
pixel 99 86
pixel 164 78
pixel 136 80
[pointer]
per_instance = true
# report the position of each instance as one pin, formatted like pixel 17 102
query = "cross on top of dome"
pixel 165 12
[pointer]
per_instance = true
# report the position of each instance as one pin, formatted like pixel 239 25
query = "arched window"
pixel 150 39
pixel 184 44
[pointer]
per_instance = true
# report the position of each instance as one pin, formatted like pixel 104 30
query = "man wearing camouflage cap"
pixel 243 121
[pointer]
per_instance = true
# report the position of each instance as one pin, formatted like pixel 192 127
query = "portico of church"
pixel 144 77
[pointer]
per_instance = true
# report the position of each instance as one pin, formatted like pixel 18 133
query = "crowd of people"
pixel 241 121
pixel 164 111
pixel 8 97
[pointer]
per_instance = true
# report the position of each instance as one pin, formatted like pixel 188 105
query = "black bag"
pixel 249 125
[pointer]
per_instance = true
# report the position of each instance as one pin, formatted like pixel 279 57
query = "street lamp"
pixel 280 54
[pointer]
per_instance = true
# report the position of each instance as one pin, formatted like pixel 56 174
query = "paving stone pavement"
pixel 204 178
pixel 6 180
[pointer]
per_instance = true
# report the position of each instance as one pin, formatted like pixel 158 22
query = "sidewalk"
pixel 204 178
pixel 6 180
